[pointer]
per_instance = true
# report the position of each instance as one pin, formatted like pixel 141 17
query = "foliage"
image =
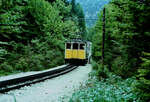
pixel 126 37
pixel 90 33
pixel 113 89
pixel 78 16
pixel 123 36
pixel 100 71
pixel 5 68
pixel 81 20
pixel 33 32
pixel 143 84
pixel 3 53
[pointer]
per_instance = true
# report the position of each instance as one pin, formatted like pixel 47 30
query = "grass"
pixel 113 89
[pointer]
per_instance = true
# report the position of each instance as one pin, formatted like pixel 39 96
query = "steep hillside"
pixel 91 8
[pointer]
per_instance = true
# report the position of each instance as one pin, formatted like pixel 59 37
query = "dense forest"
pixel 127 45
pixel 33 32
pixel 126 38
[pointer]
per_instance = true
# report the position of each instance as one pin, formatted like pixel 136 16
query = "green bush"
pixel 13 57
pixel 101 72
pixel 5 68
pixel 3 53
pixel 22 65
pixel 121 68
pixel 113 89
pixel 95 65
pixel 35 62
pixel 143 84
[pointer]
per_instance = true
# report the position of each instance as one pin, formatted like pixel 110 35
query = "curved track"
pixel 17 83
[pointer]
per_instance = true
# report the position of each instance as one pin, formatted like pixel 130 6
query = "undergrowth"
pixel 113 89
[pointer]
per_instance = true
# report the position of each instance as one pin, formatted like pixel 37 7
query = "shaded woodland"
pixel 33 32
pixel 127 45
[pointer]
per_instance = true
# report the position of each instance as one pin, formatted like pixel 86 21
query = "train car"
pixel 78 51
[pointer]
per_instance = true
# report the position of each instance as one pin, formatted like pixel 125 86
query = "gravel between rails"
pixel 57 89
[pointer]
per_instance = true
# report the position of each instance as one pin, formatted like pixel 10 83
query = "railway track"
pixel 17 83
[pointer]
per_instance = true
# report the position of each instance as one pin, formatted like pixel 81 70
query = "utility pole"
pixel 103 38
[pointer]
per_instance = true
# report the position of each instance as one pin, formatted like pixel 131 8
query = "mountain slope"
pixel 91 8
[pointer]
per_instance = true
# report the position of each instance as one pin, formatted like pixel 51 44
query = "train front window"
pixel 75 45
pixel 68 46
pixel 82 46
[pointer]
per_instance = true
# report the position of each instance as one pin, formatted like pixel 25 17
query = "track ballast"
pixel 17 83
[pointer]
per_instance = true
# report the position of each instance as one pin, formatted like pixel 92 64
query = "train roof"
pixel 78 40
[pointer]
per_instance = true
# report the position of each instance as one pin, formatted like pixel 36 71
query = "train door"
pixel 68 50
pixel 75 50
pixel 82 51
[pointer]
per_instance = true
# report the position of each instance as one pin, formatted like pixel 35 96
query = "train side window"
pixel 75 45
pixel 82 46
pixel 68 46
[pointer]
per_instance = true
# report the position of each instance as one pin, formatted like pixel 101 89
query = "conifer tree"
pixel 143 83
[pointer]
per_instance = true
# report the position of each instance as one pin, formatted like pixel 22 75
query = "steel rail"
pixel 17 83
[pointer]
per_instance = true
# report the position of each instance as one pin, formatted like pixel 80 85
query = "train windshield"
pixel 82 46
pixel 68 46
pixel 75 45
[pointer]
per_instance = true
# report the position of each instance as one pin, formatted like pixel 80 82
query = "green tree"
pixel 34 32
pixel 126 35
pixel 73 3
pixel 81 20
pixel 143 83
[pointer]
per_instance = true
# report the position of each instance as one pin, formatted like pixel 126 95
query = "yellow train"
pixel 78 51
